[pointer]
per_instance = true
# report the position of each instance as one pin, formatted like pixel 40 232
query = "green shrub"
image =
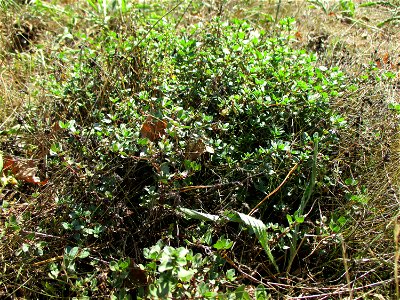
pixel 178 273
pixel 238 107
pixel 212 118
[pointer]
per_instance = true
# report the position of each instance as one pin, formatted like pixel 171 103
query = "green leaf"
pixel 342 221
pixel 372 3
pixel 114 266
pixel 185 275
pixel 62 124
pixel 261 293
pixel 363 199
pixel 71 252
pixel 181 257
pixel 230 275
pixel 207 237
pixel 154 252
pixel 366 4
pixel 54 271
pixel 164 266
pixel 351 181
pixel 124 264
pixel 123 6
pixel 66 225
pixel 166 262
pixel 210 295
pixel 390 75
pixel 260 231
pixel 84 253
pixel 165 286
pixel 394 106
pixel 223 243
pixel 14 223
pixel 39 248
pixel 1 162
pixel 241 293
pixel 25 247
pixel 290 219
pixel 193 214
pixel 92 4
pixel 13 219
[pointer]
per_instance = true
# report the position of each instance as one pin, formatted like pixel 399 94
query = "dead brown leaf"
pixel 23 169
pixel 153 128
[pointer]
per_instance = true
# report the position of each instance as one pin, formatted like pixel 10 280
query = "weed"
pixel 164 157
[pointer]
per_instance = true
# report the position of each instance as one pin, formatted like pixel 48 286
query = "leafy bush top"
pixel 211 118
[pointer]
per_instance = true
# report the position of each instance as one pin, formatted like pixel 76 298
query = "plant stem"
pixel 304 200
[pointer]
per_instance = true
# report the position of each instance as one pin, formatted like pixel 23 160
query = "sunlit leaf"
pixel 84 253
pixel 114 266
pixel 260 231
pixel 185 275
pixel 25 247
pixel 223 244
pixel 194 214
pixel 230 274
pixel 23 169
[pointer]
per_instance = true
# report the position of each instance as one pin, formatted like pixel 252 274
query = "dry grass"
pixel 370 146
pixel 369 150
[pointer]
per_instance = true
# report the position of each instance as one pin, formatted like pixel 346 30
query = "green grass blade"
pixel 92 4
pixel 123 6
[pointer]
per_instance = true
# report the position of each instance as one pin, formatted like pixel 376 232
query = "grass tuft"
pixel 215 149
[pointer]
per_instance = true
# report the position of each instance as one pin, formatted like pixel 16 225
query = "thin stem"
pixel 304 200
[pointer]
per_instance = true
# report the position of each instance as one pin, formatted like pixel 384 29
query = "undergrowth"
pixel 158 157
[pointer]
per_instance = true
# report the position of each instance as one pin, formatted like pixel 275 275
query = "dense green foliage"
pixel 175 157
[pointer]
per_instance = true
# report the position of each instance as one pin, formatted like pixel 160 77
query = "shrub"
pixel 211 118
